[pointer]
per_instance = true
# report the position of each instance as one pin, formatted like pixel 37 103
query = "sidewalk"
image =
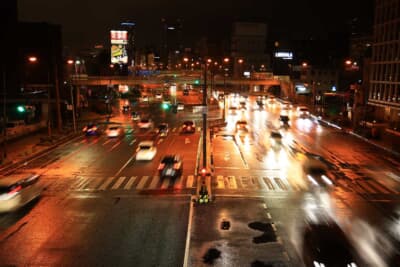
pixel 38 142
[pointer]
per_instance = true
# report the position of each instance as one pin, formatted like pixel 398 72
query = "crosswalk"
pixel 219 182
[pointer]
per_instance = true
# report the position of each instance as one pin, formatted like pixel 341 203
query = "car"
pixel 144 99
pixel 158 96
pixel 146 150
pixel 286 105
pixel 180 106
pixel 316 174
pixel 276 140
pixel 163 129
pixel 135 116
pixel 303 111
pixel 115 130
pixel 185 92
pixel 125 108
pixel 241 126
pixel 145 123
pixel 170 166
pixel 326 244
pixel 284 119
pixel 17 190
pixel 188 127
pixel 242 106
pixel 91 129
pixel 232 110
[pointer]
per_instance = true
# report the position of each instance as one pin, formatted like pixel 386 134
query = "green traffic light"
pixel 21 109
pixel 196 82
pixel 165 106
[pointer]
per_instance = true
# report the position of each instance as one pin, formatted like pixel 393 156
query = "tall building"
pixel 384 88
pixel 8 46
pixel 171 43
pixel 248 47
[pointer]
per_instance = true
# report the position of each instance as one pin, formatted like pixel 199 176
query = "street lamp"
pixel 34 60
pixel 226 61
pixel 70 62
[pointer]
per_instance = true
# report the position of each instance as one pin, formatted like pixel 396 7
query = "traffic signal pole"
pixel 205 117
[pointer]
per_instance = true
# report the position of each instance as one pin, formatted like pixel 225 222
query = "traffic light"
pixel 21 109
pixel 203 172
pixel 197 82
pixel 165 106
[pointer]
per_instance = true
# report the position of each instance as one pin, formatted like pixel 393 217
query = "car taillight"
pixel 84 129
pixel 11 193
pixel 161 166
pixel 176 166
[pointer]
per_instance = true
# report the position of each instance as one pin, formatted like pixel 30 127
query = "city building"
pixel 248 48
pixel 171 43
pixel 384 84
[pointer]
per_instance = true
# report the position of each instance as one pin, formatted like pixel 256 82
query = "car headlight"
pixel 317 264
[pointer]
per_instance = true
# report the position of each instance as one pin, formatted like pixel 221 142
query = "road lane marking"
pixel 142 182
pixel 268 183
pixel 188 233
pixel 154 182
pixel 106 142
pixel 123 167
pixel 220 182
pixel 132 142
pixel 106 183
pixel 130 183
pixel 231 182
pixel 118 183
pixel 94 184
pixel 189 181
pixel 160 141
pixel 114 146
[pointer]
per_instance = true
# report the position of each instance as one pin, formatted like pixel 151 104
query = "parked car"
pixel 115 131
pixel 163 129
pixel 170 166
pixel 188 127
pixel 146 150
pixel 18 190
pixel 91 129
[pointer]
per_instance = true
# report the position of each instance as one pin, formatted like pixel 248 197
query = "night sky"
pixel 87 22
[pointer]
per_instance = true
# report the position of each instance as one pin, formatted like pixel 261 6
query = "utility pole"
pixel 56 85
pixel 4 155
pixel 73 107
pixel 205 117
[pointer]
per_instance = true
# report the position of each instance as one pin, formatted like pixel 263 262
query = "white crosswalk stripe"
pixel 219 182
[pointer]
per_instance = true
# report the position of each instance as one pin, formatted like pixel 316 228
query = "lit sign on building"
pixel 119 40
pixel 284 55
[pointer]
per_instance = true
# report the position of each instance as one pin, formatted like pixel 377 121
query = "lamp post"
pixel 70 62
pixel 226 60
pixel 34 60
pixel 4 155
pixel 205 116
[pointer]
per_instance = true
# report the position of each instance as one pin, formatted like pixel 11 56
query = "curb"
pixel 63 140
pixel 358 136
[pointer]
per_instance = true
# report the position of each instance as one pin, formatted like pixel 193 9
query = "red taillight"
pixel 15 190
pixel 176 166
pixel 161 166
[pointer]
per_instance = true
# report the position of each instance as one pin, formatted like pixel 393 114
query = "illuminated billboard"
pixel 119 40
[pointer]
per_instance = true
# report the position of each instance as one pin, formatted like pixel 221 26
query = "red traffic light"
pixel 203 171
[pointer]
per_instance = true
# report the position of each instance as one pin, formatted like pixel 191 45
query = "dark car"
pixel 188 127
pixel 170 166
pixel 327 245
pixel 163 129
pixel 284 119
pixel 125 108
pixel 91 130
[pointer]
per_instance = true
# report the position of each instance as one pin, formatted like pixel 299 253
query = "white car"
pixel 115 131
pixel 180 106
pixel 146 150
pixel 158 96
pixel 18 190
pixel 303 111
pixel 145 123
